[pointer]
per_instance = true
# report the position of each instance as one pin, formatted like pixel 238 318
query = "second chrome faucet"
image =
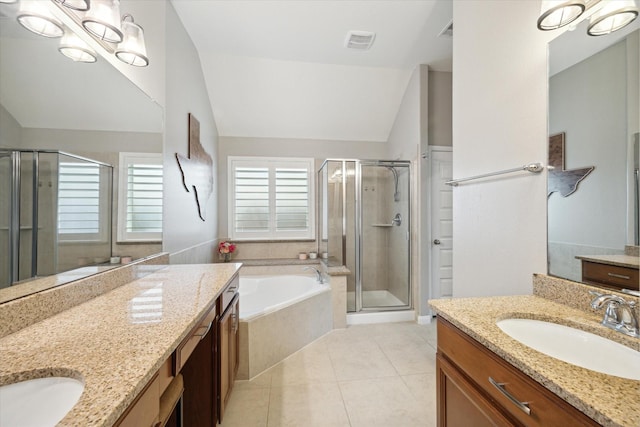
pixel 619 314
pixel 318 273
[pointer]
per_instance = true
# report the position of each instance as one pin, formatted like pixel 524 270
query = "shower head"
pixel 396 194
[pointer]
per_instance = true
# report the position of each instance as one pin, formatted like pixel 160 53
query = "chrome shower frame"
pixel 16 185
pixel 391 165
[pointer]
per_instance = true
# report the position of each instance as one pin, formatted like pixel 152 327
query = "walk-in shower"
pixel 364 224
pixel 55 213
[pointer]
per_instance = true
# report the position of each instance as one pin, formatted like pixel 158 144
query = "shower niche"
pixel 55 215
pixel 364 224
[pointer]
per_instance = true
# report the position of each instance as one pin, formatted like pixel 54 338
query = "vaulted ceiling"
pixel 280 68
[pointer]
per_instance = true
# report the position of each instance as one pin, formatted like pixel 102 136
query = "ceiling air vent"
pixel 361 40
pixel 447 31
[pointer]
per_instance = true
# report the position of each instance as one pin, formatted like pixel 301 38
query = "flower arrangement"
pixel 225 249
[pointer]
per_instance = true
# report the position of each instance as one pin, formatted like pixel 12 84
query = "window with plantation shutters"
pixel 79 213
pixel 270 198
pixel 140 197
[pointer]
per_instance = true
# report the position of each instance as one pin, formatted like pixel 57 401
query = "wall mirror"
pixel 593 100
pixel 49 102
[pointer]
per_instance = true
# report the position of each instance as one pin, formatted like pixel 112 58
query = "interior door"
pixel 441 225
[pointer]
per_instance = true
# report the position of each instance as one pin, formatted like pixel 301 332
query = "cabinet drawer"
pixel 165 374
pixel 229 293
pixel 145 409
pixel 480 364
pixel 461 404
pixel 187 346
pixel 613 275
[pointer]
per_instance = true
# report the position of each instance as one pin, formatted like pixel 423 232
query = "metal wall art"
pixel 197 168
pixel 561 180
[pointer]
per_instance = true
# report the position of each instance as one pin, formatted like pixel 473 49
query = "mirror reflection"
pixel 593 101
pixel 53 105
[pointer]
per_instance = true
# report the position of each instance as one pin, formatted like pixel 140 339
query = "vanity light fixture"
pixel 103 20
pixel 75 48
pixel 82 5
pixel 132 49
pixel 613 15
pixel 607 15
pixel 558 13
pixel 36 17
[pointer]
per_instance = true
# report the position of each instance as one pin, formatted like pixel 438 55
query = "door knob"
pixel 436 242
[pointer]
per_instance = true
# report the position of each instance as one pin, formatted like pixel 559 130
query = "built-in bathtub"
pixel 278 316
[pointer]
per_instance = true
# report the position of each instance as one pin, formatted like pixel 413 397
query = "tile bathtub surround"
pixel 361 376
pixel 22 312
pixel 263 342
pixel 103 342
pixel 337 279
pixel 588 391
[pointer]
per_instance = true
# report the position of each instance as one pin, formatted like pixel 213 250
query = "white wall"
pixel 439 108
pixel 405 136
pixel 186 93
pixel 499 122
pixel 296 99
pixel 10 129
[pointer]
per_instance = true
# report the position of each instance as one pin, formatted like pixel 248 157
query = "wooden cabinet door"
pixel 229 354
pixel 460 403
pixel 200 371
pixel 234 344
pixel 226 324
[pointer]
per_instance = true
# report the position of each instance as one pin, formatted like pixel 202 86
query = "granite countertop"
pixel 116 342
pixel 609 400
pixel 619 260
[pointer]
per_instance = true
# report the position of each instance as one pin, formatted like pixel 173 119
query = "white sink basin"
pixel 40 402
pixel 574 346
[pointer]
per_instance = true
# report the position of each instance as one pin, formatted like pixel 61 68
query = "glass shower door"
pixel 384 249
pixel 5 219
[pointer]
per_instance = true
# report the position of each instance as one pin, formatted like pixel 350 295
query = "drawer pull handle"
pixel 204 334
pixel 523 406
pixel 618 276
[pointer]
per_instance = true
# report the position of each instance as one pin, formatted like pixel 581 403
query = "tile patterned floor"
pixel 365 375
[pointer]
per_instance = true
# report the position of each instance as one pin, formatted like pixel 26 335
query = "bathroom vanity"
pixel 485 377
pixel 137 347
pixel 466 392
pixel 611 271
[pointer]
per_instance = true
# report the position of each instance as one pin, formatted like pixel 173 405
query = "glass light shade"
pixel 82 5
pixel 75 48
pixel 8 1
pixel 132 50
pixel 558 13
pixel 103 20
pixel 35 16
pixel 613 15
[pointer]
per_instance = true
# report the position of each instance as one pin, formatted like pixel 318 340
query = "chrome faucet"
pixel 619 313
pixel 318 273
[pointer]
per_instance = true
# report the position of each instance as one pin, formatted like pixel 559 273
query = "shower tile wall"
pixel 47 193
pixel 26 223
pixel 398 260
pixel 377 208
pixel 5 192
